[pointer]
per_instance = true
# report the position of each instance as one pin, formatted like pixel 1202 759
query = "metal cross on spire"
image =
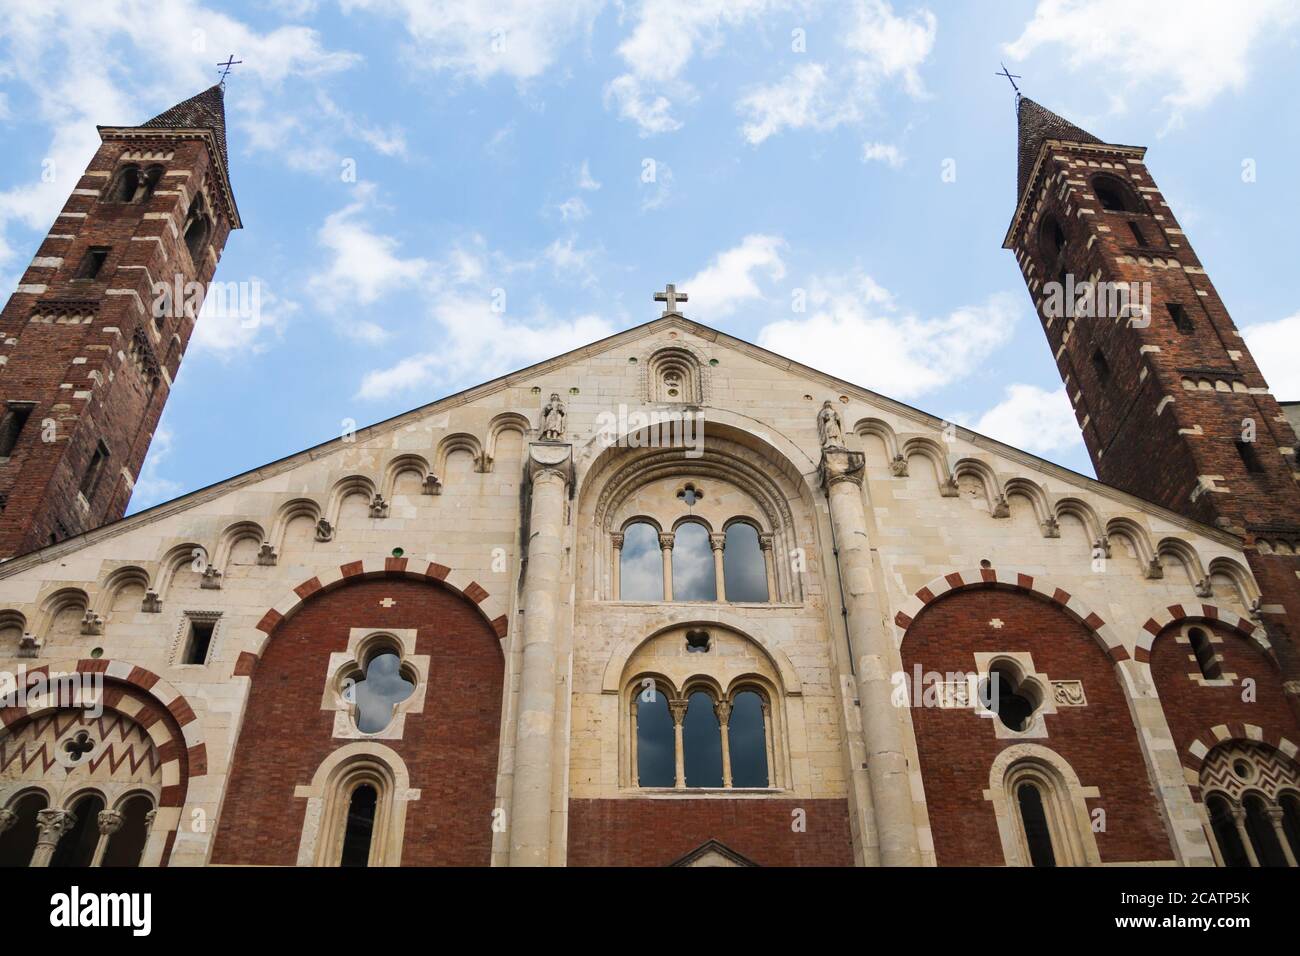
pixel 671 296
pixel 226 67
pixel 1011 78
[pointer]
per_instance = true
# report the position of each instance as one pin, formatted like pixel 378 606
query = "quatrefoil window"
pixel 690 494
pixel 375 693
pixel 78 746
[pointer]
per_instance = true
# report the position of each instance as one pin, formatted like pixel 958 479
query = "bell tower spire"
pixel 1171 403
pixel 90 343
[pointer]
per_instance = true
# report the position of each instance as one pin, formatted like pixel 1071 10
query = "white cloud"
pixel 566 258
pixel 1190 51
pixel 151 487
pixel 1031 418
pixel 886 153
pixel 732 278
pixel 237 318
pixel 667 35
pixel 881 47
pixel 1274 346
pixel 573 209
pixel 856 331
pixel 515 38
pixel 364 264
pixel 659 190
pixel 585 179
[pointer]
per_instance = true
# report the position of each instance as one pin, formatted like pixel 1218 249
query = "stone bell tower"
pixel 1172 406
pixel 90 343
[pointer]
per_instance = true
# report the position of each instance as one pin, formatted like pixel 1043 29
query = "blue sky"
pixel 400 165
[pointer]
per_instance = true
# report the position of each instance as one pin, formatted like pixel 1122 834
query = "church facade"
pixel 669 598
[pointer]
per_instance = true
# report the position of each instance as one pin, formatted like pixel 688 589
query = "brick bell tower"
pixel 90 345
pixel 1172 406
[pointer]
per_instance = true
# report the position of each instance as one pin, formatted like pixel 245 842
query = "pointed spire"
pixel 206 110
pixel 1038 124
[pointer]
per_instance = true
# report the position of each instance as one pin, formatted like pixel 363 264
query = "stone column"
pixel 617 540
pixel 875 660
pixel 110 821
pixel 550 472
pixel 677 707
pixel 666 550
pixel 718 542
pixel 1239 821
pixel 723 709
pixel 50 827
pixel 769 565
pixel 1275 815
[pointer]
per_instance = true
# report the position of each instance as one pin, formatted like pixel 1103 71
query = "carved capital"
pixel 550 461
pixel 211 579
pixel 677 707
pixel 723 709
pixel 7 819
pixel 431 486
pixel 898 466
pixel 152 603
pixel 765 540
pixel 92 623
pixel 666 540
pixel 266 555
pixel 378 507
pixel 52 824
pixel 110 821
pixel 840 464
pixel 718 542
pixel 616 539
pixel 1051 527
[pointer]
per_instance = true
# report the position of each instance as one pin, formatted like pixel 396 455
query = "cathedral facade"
pixel 666 599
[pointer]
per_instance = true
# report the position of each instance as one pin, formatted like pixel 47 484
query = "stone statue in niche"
pixel 553 416
pixel 829 428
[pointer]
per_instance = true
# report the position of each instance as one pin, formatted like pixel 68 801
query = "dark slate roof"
pixel 1038 124
pixel 207 110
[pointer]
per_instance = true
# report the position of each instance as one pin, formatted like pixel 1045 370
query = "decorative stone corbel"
pixel 483 463
pixel 266 555
pixel 211 580
pixel 1204 588
pixel 324 530
pixel 898 466
pixel 948 488
pixel 1051 527
pixel 1256 610
pixel 152 603
pixel 432 486
pixel 29 645
pixel 92 623
pixel 840 464
pixel 7 819
pixel 1001 509
pixel 1101 548
pixel 378 507
pixel 1154 569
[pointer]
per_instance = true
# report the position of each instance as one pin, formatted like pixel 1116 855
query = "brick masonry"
pixel 659 832
pixel 450 749
pixel 957 747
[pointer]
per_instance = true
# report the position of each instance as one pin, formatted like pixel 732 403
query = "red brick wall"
pixel 1192 709
pixel 450 749
pixel 957 748
pixel 640 832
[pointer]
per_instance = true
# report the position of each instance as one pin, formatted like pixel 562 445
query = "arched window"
pixel 1206 659
pixel 693 574
pixel 702 741
pixel 148 183
pixel 1291 821
pixel 1262 835
pixel 1033 818
pixel 18 842
pixel 126 845
pixel 359 826
pixel 744 573
pixel 747 740
pixel 641 566
pixel 124 185
pixel 656 747
pixel 77 846
pixel 197 227
pixel 1113 195
pixel 1053 238
pixel 1225 831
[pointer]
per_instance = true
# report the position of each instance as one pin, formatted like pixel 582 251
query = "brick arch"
pixel 492 609
pixel 1177 613
pixel 1016 581
pixel 1194 754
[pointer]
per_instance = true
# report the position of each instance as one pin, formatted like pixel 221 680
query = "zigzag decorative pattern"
pixel 123 749
pixel 1270 771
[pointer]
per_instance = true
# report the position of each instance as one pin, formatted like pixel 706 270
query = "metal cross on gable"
pixel 229 65
pixel 671 296
pixel 1011 77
